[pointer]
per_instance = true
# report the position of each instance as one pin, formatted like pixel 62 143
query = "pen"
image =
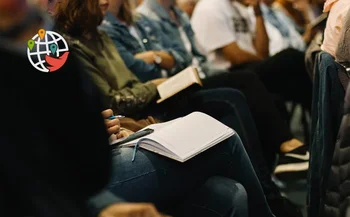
pixel 117 116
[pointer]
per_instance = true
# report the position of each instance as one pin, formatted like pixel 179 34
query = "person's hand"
pixel 112 126
pixel 158 81
pixel 131 210
pixel 124 133
pixel 148 56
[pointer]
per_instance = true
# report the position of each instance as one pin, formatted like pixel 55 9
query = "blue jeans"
pixel 167 183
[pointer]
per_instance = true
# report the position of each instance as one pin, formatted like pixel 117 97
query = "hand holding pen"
pixel 112 122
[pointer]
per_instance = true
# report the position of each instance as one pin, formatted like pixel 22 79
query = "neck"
pixel 166 4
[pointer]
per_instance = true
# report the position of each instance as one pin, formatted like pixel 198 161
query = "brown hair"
pixel 126 12
pixel 78 18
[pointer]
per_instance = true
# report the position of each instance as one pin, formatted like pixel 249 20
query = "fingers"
pixel 113 126
pixel 122 134
pixel 107 113
pixel 113 137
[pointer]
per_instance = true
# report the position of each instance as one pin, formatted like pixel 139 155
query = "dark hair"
pixel 78 18
pixel 126 12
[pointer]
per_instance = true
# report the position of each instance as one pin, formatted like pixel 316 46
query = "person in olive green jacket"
pixel 124 93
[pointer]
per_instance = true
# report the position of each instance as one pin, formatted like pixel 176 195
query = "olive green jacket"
pixel 125 94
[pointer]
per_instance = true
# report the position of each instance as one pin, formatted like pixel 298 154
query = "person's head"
pixel 79 17
pixel 187 6
pixel 123 10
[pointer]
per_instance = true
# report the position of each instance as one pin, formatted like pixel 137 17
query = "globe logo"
pixel 47 51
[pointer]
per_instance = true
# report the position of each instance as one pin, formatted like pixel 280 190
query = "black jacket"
pixel 54 152
pixel 337 198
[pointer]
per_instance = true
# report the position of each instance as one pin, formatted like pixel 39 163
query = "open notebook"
pixel 183 138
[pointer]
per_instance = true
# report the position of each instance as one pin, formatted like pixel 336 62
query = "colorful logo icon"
pixel 47 51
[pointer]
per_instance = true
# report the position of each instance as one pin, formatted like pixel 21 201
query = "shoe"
pixel 282 207
pixel 294 163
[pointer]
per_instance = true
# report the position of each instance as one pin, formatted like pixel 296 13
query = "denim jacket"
pixel 152 39
pixel 153 10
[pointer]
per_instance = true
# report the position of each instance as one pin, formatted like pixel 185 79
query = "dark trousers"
pixel 285 74
pixel 272 128
pixel 230 107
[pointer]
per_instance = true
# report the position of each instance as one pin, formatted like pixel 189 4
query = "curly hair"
pixel 78 18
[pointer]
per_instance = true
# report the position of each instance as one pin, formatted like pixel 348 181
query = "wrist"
pixel 157 59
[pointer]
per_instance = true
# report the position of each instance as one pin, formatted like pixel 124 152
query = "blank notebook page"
pixel 184 141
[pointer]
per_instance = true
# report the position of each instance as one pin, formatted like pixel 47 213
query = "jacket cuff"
pixel 152 88
pixel 100 201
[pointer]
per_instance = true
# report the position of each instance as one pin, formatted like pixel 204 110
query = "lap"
pixel 157 179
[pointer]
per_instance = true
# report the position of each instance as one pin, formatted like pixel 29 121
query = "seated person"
pixel 337 11
pixel 151 177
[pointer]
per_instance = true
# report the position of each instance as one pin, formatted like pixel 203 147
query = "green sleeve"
pixel 128 100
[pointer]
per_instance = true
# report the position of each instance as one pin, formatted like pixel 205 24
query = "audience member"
pixel 135 181
pixel 337 10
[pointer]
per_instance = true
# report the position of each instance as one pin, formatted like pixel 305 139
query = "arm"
pixel 261 41
pixel 181 57
pixel 233 53
pixel 144 71
pixel 149 57
pixel 128 100
pixel 219 35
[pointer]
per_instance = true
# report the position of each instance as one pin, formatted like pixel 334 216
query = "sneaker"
pixel 295 163
pixel 282 207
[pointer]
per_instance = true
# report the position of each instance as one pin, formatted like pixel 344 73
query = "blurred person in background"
pixel 300 12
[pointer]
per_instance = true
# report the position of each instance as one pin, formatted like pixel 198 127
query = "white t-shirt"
pixel 188 46
pixel 218 23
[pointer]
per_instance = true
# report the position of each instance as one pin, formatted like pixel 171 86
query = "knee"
pixel 232 195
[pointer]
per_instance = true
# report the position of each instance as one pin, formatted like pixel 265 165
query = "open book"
pixel 178 82
pixel 185 137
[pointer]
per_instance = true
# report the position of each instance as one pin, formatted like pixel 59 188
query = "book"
pixel 178 83
pixel 183 138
